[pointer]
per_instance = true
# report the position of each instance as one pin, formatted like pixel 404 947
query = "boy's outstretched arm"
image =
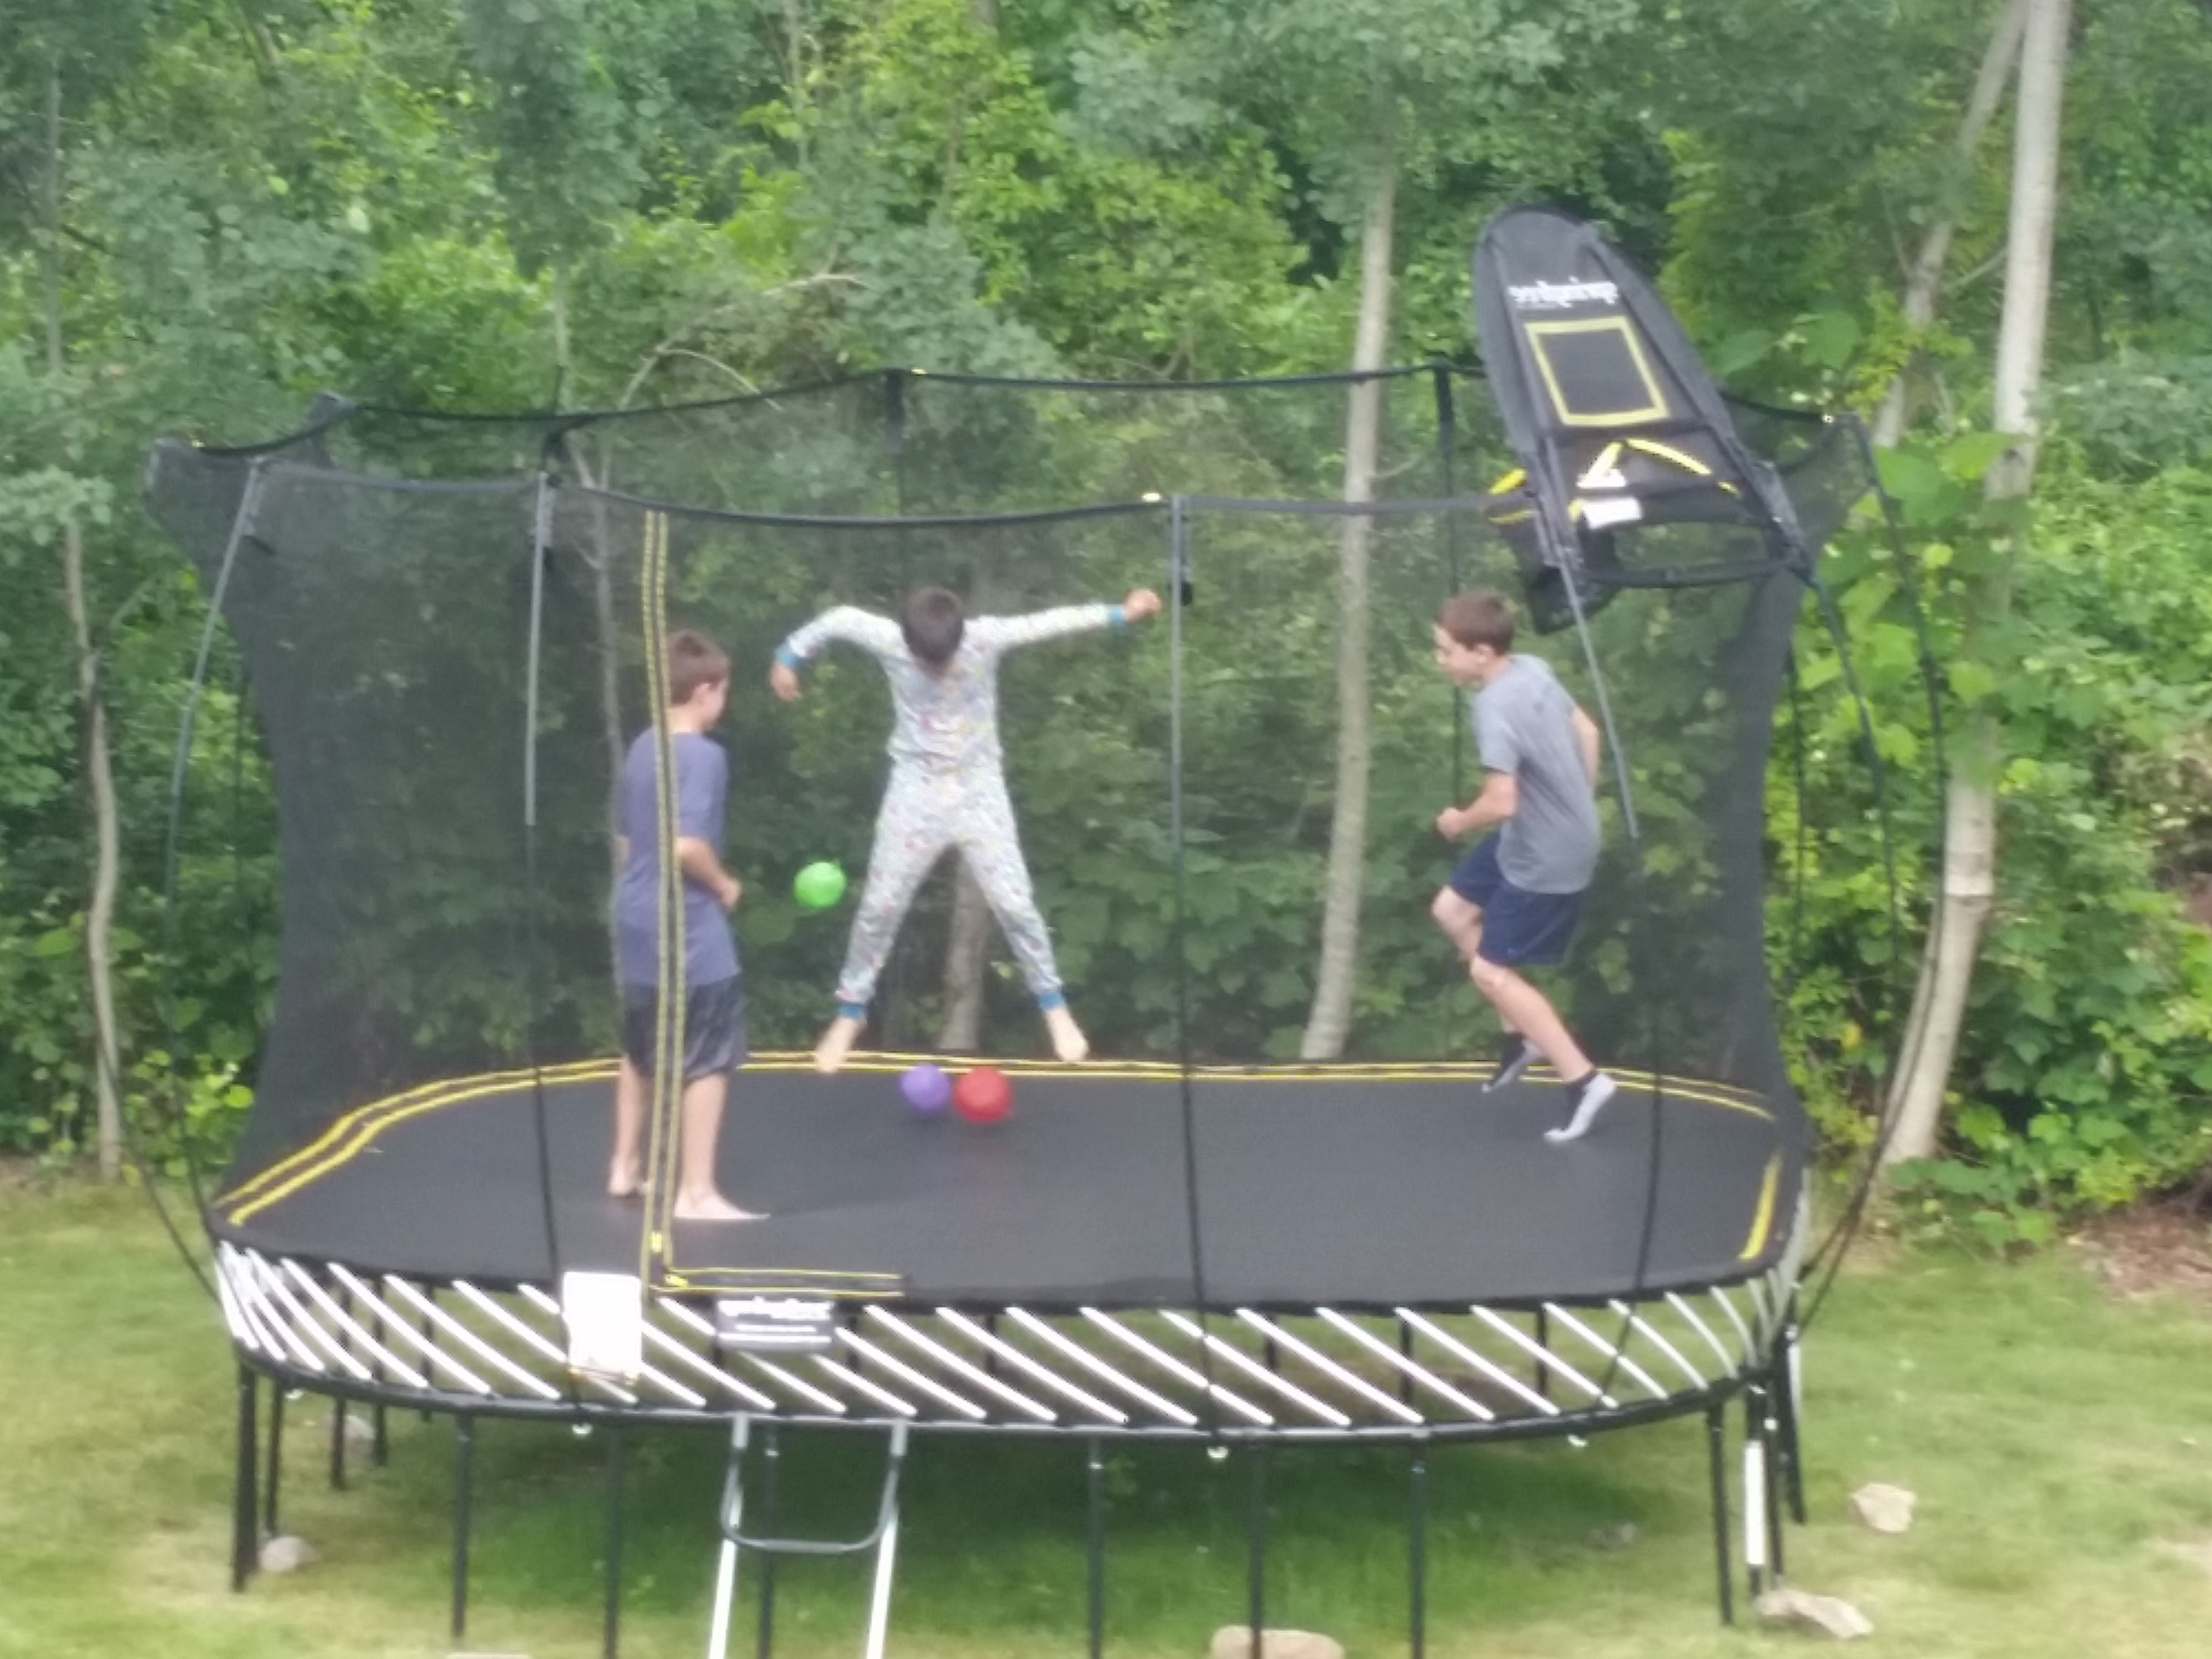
pixel 1004 633
pixel 876 636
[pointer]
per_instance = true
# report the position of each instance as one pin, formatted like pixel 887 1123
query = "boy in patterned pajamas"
pixel 948 783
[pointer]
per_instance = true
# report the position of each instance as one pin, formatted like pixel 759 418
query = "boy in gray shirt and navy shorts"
pixel 1513 901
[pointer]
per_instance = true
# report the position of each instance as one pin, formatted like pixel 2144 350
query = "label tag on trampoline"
pixel 605 1317
pixel 776 1324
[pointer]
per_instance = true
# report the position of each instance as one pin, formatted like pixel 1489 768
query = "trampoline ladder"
pixel 882 1538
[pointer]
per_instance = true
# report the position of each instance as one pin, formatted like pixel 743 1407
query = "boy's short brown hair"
pixel 694 661
pixel 932 622
pixel 1479 617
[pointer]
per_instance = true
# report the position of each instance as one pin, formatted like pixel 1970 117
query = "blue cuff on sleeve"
pixel 1117 616
pixel 788 657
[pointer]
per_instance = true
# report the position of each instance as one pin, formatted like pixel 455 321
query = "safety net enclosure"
pixel 451 630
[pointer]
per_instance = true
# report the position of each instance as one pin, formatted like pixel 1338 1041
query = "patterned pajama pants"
pixel 923 813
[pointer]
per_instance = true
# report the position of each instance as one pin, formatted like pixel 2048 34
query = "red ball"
pixel 983 1096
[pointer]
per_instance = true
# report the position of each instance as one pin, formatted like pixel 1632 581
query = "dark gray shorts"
pixel 714 1027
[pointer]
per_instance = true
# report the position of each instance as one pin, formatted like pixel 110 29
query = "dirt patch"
pixel 2154 1248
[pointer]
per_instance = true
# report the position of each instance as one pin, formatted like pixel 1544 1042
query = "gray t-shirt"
pixel 702 788
pixel 1524 725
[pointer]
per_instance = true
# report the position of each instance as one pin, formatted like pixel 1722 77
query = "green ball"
pixel 818 886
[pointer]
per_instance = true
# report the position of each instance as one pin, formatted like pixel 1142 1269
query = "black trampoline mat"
pixel 1316 1188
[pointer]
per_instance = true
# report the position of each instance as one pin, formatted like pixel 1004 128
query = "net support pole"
pixel 243 1538
pixel 464 1491
pixel 275 1474
pixel 1094 1542
pixel 610 1640
pixel 1440 383
pixel 1417 1622
pixel 1717 1458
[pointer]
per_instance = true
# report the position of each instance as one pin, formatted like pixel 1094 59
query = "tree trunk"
pixel 1925 280
pixel 1970 820
pixel 966 953
pixel 106 861
pixel 967 943
pixel 1329 1021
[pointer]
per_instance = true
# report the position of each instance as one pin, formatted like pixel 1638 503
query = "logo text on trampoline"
pixel 1557 296
pixel 757 1322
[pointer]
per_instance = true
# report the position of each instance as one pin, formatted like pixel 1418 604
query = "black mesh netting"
pixel 445 626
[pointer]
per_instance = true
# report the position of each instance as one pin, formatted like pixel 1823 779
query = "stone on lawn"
pixel 1235 1642
pixel 1886 1509
pixel 1825 1615
pixel 286 1552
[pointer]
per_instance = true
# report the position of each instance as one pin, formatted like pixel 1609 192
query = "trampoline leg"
pixel 1787 1384
pixel 244 1538
pixel 725 1563
pixel 379 1451
pixel 1094 1542
pixel 338 1410
pixel 1717 1457
pixel 1418 1557
pixel 611 1642
pixel 1754 1492
pixel 1769 1481
pixel 463 1489
pixel 1257 1581
pixel 772 1455
pixel 276 1470
pixel 879 1600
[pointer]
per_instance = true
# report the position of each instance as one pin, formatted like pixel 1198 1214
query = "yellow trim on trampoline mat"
pixel 1762 1215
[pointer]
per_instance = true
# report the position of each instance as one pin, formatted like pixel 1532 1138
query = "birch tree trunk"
pixel 1970 809
pixel 1924 281
pixel 966 952
pixel 100 779
pixel 1329 1021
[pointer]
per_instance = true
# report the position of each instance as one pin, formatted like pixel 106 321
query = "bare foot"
pixel 837 1043
pixel 1068 1039
pixel 625 1181
pixel 711 1205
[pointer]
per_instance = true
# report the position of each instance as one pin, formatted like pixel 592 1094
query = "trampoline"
pixel 445 632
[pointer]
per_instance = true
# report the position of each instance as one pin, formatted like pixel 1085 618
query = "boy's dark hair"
pixel 694 661
pixel 932 622
pixel 1479 617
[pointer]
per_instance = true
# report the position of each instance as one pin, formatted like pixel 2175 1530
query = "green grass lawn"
pixel 2061 1443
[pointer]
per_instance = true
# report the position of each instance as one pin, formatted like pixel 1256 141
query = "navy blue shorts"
pixel 714 1027
pixel 1520 929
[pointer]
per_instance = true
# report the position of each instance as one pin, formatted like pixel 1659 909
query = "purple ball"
pixel 926 1088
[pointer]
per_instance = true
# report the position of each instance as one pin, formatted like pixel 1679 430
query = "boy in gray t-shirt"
pixel 1512 902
